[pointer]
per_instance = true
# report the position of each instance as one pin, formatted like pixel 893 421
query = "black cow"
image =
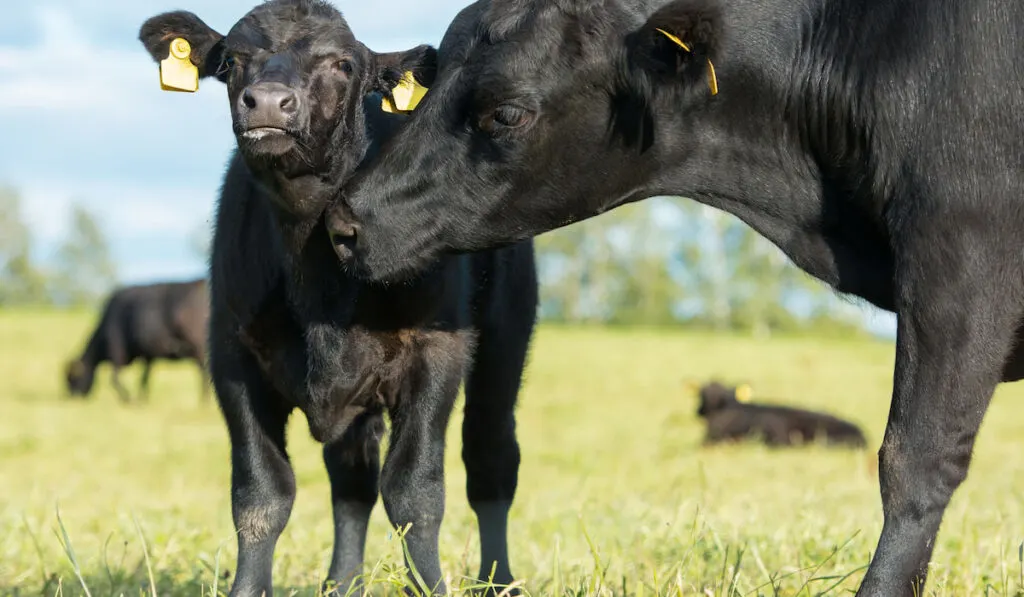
pixel 728 419
pixel 878 143
pixel 292 327
pixel 150 322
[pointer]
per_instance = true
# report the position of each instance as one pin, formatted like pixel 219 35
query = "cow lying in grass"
pixel 155 321
pixel 730 418
pixel 292 327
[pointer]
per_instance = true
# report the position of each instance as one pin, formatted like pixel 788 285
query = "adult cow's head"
pixel 542 113
pixel 296 79
pixel 79 378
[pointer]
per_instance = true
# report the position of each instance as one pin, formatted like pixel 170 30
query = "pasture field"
pixel 615 496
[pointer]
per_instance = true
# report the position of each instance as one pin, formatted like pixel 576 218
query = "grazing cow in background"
pixel 878 143
pixel 730 419
pixel 149 322
pixel 292 327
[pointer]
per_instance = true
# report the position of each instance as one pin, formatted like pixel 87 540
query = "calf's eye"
pixel 227 66
pixel 511 116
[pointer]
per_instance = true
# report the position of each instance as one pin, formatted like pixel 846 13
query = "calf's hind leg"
pixel 490 451
pixel 958 303
pixel 353 465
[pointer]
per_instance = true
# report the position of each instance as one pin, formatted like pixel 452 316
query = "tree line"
pixel 82 269
pixel 662 262
pixel 671 261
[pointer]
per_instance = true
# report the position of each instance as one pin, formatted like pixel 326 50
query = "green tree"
pixel 21 282
pixel 672 260
pixel 609 269
pixel 85 270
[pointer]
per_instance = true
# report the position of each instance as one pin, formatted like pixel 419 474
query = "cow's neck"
pixel 780 137
pixel 95 350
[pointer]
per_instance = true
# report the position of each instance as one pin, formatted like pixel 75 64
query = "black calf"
pixel 728 419
pixel 292 327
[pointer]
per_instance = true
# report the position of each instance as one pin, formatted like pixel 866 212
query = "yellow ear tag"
pixel 712 78
pixel 177 73
pixel 691 386
pixel 744 393
pixel 407 95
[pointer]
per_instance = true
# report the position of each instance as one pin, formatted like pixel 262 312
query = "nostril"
pixel 343 233
pixel 344 243
pixel 289 103
pixel 248 99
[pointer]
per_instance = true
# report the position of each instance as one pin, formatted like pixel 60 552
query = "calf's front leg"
pixel 262 481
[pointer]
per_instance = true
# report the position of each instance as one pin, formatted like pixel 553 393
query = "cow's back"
pixel 148 319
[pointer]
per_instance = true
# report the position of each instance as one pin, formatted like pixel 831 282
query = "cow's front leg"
pixel 959 300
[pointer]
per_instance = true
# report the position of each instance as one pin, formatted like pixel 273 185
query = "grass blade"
pixel 70 552
pixel 145 554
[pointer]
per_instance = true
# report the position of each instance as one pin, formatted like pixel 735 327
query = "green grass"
pixel 615 496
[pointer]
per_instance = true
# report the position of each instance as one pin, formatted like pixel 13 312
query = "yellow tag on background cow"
pixel 744 393
pixel 177 73
pixel 407 95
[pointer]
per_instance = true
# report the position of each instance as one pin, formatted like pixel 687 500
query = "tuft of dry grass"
pixel 615 496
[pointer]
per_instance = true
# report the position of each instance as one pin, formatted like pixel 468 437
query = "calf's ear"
pixel 679 41
pixel 207 46
pixel 391 66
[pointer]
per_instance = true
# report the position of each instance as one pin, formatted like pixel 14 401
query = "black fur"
pixel 730 420
pixel 877 142
pixel 149 322
pixel 292 327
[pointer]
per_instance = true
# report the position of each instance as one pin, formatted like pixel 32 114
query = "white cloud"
pixel 124 211
pixel 66 72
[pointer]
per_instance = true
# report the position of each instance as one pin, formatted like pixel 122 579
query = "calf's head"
pixel 714 397
pixel 296 82
pixel 540 113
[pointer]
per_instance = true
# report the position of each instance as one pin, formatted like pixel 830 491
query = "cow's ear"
pixel 681 40
pixel 207 46
pixel 391 66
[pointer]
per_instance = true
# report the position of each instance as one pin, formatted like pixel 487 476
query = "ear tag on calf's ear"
pixel 712 78
pixel 177 73
pixel 744 393
pixel 407 95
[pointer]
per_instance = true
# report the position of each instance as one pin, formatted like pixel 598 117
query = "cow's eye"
pixel 511 116
pixel 342 66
